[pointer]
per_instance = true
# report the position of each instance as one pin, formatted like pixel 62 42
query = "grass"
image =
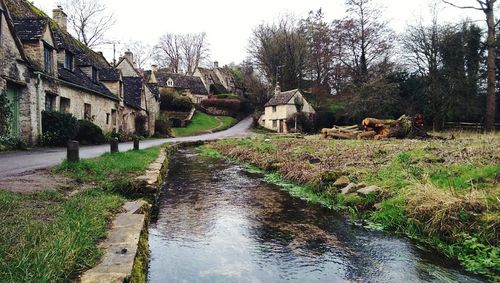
pixel 47 237
pixel 52 237
pixel 442 193
pixel 201 123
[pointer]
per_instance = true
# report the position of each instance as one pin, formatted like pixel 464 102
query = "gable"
pixel 127 68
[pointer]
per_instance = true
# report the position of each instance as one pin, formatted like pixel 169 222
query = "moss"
pixel 140 268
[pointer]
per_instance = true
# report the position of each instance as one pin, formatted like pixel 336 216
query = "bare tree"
pixel 362 38
pixel 89 19
pixel 142 52
pixel 487 7
pixel 168 51
pixel 194 49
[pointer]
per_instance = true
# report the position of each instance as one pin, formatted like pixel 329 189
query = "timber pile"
pixel 372 128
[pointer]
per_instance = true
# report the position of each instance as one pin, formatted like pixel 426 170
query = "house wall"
pixel 12 69
pixel 127 69
pixel 283 112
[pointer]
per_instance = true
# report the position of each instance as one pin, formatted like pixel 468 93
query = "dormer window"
pixel 47 58
pixel 69 61
pixel 94 75
pixel 170 82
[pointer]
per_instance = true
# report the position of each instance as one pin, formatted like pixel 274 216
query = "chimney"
pixel 130 56
pixel 216 64
pixel 277 89
pixel 60 17
pixel 154 68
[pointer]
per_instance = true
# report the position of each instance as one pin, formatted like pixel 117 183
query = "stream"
pixel 219 223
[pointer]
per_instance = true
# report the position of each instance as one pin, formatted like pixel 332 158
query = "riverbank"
pixel 54 236
pixel 203 123
pixel 442 193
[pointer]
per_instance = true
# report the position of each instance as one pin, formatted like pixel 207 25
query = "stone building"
pixel 282 106
pixel 55 72
pixel 189 86
pixel 138 94
pixel 217 80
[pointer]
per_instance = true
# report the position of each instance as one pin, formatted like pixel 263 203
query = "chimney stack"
pixel 277 89
pixel 216 64
pixel 60 17
pixel 130 57
pixel 154 68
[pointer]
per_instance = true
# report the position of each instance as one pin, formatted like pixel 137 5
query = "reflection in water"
pixel 219 223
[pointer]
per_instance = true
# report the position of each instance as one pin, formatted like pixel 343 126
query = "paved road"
pixel 16 163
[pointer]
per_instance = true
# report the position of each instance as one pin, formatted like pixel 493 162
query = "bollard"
pixel 113 144
pixel 73 151
pixel 136 144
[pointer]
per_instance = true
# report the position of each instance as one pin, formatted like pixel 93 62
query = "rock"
pixel 341 182
pixel 351 188
pixel 360 186
pixel 377 206
pixel 368 190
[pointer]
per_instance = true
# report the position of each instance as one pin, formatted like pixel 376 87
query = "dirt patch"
pixel 36 181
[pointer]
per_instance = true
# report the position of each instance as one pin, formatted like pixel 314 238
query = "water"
pixel 219 223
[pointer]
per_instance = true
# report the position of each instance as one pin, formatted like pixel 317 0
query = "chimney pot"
pixel 216 64
pixel 154 68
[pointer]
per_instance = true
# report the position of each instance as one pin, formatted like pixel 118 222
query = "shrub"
pixel 231 104
pixel 5 115
pixel 11 143
pixel 173 102
pixel 140 125
pixel 89 133
pixel 162 126
pixel 305 122
pixel 120 135
pixel 58 128
pixel 227 95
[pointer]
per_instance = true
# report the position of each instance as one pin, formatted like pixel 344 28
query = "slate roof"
pixel 79 78
pixel 195 84
pixel 109 75
pixel 282 98
pixel 132 91
pixel 154 89
pixel 30 29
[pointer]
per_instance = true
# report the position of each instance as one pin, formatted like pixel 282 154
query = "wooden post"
pixel 73 153
pixel 113 144
pixel 136 144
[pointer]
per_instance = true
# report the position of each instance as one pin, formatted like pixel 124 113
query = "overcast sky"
pixel 229 23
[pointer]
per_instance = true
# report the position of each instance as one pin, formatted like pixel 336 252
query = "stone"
pixel 341 182
pixel 368 190
pixel 377 206
pixel 360 186
pixel 351 188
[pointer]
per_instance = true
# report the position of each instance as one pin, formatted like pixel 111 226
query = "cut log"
pixel 342 136
pixel 366 135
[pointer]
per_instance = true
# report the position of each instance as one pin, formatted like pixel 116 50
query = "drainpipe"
pixel 38 103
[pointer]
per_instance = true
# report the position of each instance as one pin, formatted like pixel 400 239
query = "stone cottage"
pixel 217 80
pixel 137 93
pixel 189 86
pixel 61 74
pixel 282 106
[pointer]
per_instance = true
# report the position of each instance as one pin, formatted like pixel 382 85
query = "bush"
pixel 305 123
pixel 120 135
pixel 227 95
pixel 162 126
pixel 232 105
pixel 173 102
pixel 5 115
pixel 140 125
pixel 58 128
pixel 89 133
pixel 11 143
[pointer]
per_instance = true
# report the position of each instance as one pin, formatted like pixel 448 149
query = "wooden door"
pixel 280 129
pixel 13 97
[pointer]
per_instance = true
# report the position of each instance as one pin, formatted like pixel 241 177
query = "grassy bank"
pixel 54 236
pixel 443 193
pixel 203 123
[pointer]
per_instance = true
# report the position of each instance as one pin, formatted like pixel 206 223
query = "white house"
pixel 282 106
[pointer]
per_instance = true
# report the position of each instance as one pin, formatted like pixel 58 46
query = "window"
pixel 64 105
pixel 274 109
pixel 94 75
pixel 113 117
pixel 199 99
pixel 47 58
pixel 50 101
pixel 69 60
pixel 87 111
pixel 170 83
pixel 275 123
pixel 107 118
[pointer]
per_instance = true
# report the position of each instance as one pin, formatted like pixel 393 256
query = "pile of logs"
pixel 371 128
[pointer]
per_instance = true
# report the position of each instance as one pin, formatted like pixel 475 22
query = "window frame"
pixel 87 116
pixel 48 58
pixel 50 102
pixel 69 61
pixel 61 104
pixel 274 109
